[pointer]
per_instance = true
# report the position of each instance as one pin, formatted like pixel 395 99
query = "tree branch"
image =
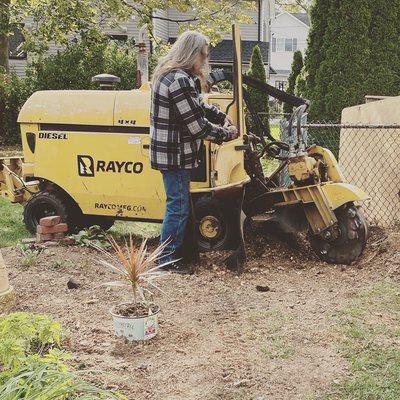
pixel 303 4
pixel 150 16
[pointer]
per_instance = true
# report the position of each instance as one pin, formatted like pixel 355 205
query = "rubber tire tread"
pixel 212 206
pixel 50 198
pixel 344 250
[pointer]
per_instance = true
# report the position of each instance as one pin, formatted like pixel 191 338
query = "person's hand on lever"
pixel 228 121
pixel 231 133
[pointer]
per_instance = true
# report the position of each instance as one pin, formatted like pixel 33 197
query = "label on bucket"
pixel 150 327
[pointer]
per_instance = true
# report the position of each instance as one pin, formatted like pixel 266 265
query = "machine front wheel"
pixel 350 241
pixel 40 205
pixel 214 224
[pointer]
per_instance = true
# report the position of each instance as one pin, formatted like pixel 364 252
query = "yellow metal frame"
pixel 12 185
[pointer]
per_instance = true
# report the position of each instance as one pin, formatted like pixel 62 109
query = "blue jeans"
pixel 176 184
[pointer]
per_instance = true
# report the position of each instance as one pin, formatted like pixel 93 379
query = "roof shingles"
pixel 223 51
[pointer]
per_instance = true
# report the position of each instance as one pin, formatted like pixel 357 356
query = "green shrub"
pixel 296 68
pixel 258 99
pixel 74 67
pixel 352 51
pixel 13 93
pixel 23 334
pixel 71 68
pixel 32 366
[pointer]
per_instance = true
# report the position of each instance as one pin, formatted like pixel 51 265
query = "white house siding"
pixel 161 26
pixel 173 27
pixel 286 26
pixel 18 66
pixel 248 31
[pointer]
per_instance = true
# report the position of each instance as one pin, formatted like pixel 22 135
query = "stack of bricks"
pixel 51 228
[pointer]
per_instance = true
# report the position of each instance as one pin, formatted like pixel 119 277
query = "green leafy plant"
pixel 33 366
pixel 258 99
pixel 30 254
pixel 13 93
pixel 296 68
pixel 93 236
pixel 23 334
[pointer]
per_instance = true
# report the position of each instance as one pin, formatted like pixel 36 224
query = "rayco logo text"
pixel 87 166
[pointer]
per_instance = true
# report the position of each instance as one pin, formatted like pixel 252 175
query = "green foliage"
pixel 315 52
pixel 33 366
pixel 383 76
pixel 352 51
pixel 258 99
pixel 23 334
pixel 56 20
pixel 294 6
pixel 92 236
pixel 30 254
pixel 297 66
pixel 13 93
pixel 301 84
pixel 11 226
pixel 72 68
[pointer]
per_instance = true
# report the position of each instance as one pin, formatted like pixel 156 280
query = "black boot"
pixel 179 267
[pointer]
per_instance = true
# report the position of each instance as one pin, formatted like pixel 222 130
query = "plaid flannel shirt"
pixel 179 120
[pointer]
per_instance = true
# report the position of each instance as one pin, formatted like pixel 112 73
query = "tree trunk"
pixel 4 28
pixel 4 52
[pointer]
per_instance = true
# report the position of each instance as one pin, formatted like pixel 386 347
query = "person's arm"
pixel 213 114
pixel 189 108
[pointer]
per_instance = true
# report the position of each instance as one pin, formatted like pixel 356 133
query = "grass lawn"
pixel 371 344
pixel 12 228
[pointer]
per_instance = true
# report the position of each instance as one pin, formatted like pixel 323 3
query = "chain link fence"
pixel 368 155
pixel 369 158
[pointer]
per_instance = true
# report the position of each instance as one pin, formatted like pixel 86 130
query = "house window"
pixel 16 41
pixel 284 44
pixel 281 85
pixel 118 38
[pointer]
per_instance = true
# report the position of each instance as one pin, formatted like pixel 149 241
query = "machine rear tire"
pixel 214 224
pixel 349 245
pixel 43 204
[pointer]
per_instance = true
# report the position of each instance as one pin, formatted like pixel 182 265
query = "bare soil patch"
pixel 220 337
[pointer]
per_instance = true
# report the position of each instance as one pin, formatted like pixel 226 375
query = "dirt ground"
pixel 220 337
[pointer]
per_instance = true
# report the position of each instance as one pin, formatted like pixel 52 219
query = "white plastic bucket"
pixel 135 328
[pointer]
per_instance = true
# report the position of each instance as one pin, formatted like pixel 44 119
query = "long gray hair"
pixel 183 54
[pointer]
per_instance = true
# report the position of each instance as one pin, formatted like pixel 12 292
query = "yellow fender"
pixel 341 193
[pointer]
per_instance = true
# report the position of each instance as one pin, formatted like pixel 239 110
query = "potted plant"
pixel 137 319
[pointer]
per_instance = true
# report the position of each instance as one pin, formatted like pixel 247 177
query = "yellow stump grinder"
pixel 86 158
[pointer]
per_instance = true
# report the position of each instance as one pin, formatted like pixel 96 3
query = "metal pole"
pixel 142 61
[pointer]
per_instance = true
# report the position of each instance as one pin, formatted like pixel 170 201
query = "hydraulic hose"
pixel 219 75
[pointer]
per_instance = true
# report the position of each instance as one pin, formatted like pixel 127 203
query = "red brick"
pixel 50 221
pixel 40 237
pixel 52 229
pixel 59 235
